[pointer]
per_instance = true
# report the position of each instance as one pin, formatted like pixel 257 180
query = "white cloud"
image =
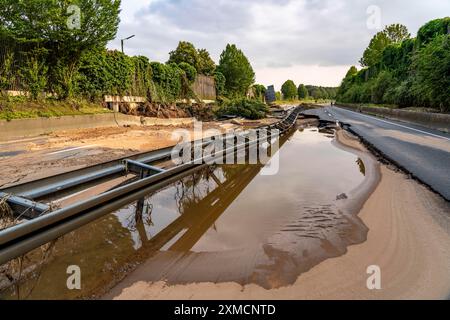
pixel 311 41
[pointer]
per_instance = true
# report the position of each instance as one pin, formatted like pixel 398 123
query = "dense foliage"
pixel 289 90
pixel 238 72
pixel 199 59
pixel 48 48
pixel 260 92
pixel 243 107
pixel 44 24
pixel 326 93
pixel 302 92
pixel 392 34
pixel 412 72
pixel 220 80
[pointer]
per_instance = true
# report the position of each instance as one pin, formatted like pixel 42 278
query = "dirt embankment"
pixel 158 110
pixel 408 239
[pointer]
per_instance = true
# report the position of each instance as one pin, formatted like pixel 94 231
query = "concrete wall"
pixel 115 101
pixel 20 128
pixel 437 121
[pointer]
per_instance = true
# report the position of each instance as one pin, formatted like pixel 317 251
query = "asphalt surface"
pixel 423 152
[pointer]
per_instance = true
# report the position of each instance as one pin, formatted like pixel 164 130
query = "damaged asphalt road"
pixel 423 152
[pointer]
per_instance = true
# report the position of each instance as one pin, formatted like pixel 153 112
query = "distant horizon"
pixel 309 42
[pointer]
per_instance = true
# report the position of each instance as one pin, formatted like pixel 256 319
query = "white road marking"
pixel 72 149
pixel 399 125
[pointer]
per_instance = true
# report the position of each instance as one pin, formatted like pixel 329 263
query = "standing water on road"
pixel 226 223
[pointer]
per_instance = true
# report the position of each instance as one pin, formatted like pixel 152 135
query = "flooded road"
pixel 224 224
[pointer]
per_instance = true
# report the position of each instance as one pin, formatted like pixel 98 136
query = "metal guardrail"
pixel 22 238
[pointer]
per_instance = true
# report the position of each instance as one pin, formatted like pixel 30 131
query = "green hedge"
pixel 414 72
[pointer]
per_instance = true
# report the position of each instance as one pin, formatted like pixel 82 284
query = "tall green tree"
pixel 397 33
pixel 302 92
pixel 66 28
pixel 190 71
pixel 289 90
pixel 394 33
pixel 372 55
pixel 185 52
pixel 237 70
pixel 206 65
pixel 199 59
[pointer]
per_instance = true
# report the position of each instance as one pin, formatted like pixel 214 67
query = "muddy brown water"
pixel 225 223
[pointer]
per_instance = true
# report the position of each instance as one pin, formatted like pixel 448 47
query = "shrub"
pixel 220 84
pixel 243 107
pixel 6 71
pixel 34 73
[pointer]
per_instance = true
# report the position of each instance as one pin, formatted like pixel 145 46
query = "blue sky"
pixel 308 41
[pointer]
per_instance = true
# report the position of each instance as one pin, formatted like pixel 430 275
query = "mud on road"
pixel 34 158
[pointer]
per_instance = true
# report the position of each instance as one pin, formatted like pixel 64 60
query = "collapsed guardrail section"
pixel 43 224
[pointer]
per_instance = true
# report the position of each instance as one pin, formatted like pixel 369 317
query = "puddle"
pixel 225 223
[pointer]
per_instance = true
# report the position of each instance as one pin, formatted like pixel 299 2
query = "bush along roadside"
pixel 242 107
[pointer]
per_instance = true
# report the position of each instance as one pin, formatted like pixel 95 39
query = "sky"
pixel 309 41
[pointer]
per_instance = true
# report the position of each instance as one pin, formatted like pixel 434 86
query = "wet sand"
pixel 408 238
pixel 58 152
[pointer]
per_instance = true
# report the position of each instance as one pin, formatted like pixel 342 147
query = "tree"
pixel 397 33
pixel 185 52
pixel 302 92
pixel 205 65
pixel 372 55
pixel 278 95
pixel 316 93
pixel 351 72
pixel 191 72
pixel 237 70
pixel 260 92
pixel 289 90
pixel 199 59
pixel 432 29
pixel 48 23
pixel 394 33
pixel 220 84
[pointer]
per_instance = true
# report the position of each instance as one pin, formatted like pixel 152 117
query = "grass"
pixel 22 108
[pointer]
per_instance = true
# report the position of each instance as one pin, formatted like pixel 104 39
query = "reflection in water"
pixel 224 223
